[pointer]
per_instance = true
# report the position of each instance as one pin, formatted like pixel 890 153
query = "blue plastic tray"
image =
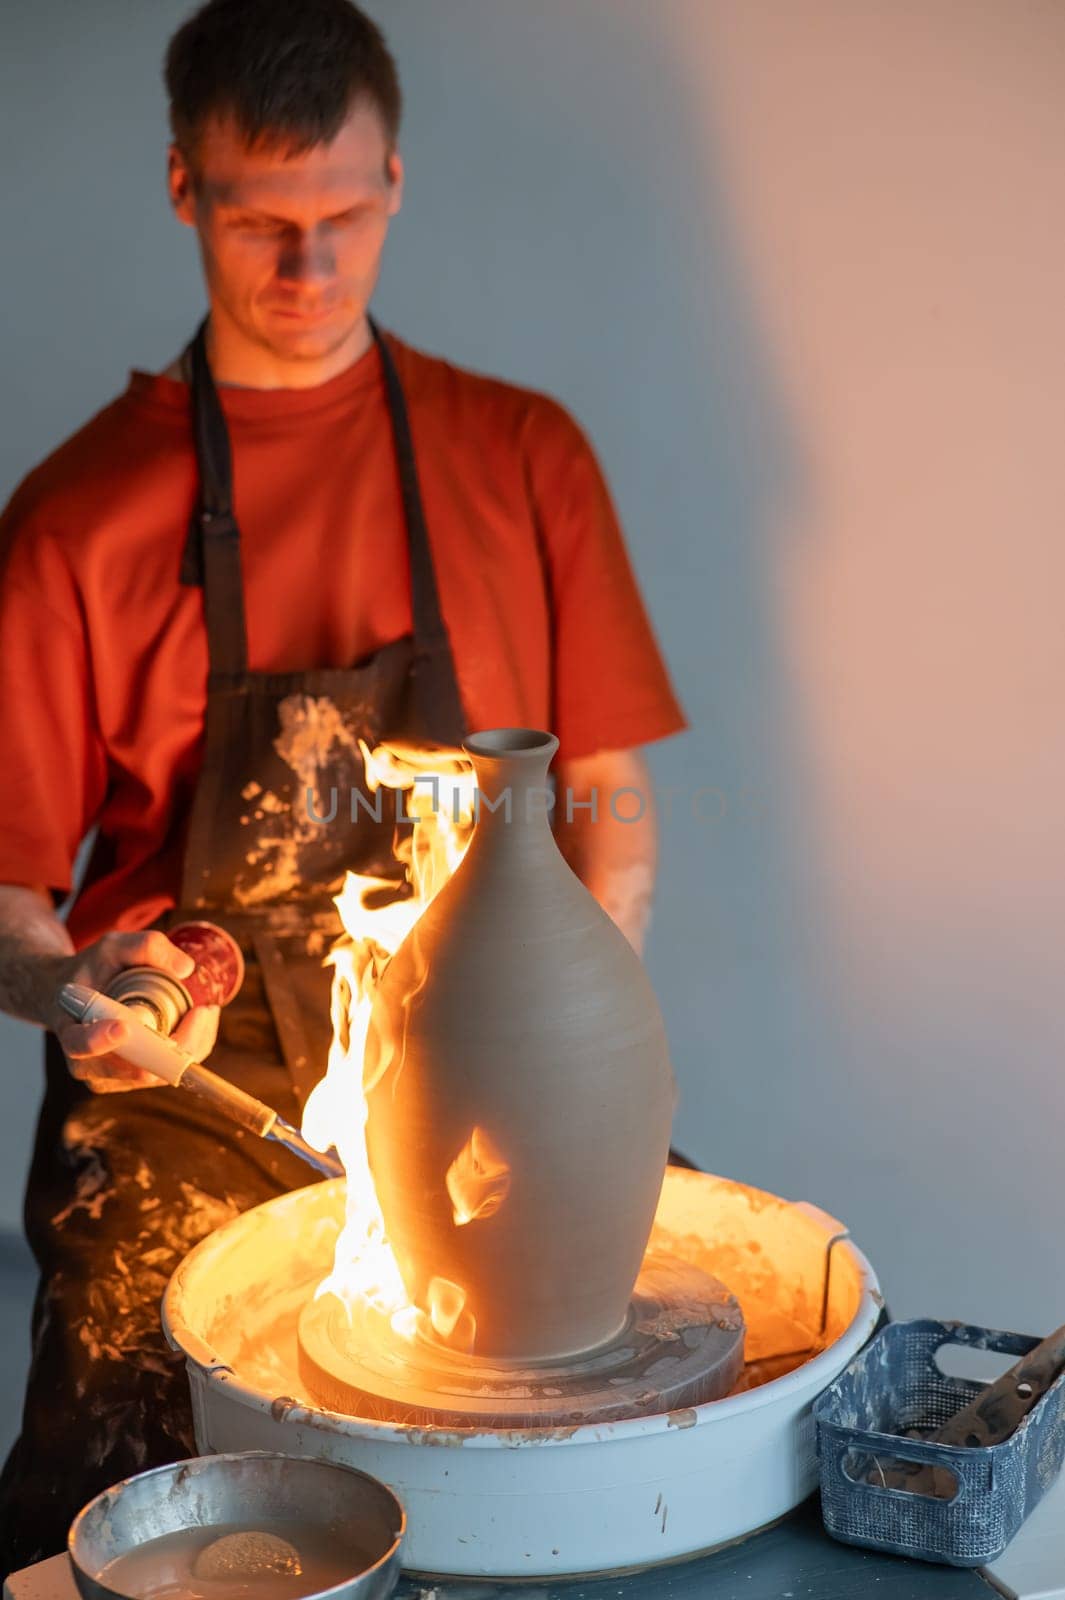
pixel 895 1384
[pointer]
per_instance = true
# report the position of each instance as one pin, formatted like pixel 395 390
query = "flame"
pixel 447 1314
pixel 478 1180
pixel 439 794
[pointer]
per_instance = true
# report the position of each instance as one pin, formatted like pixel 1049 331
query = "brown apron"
pixel 123 1185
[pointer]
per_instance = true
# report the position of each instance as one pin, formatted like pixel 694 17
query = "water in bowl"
pixel 231 1561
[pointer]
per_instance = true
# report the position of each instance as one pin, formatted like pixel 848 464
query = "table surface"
pixel 795 1560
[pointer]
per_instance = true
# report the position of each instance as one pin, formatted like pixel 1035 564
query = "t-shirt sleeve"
pixel 611 689
pixel 53 771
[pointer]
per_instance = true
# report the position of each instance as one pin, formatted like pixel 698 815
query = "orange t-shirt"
pixel 103 655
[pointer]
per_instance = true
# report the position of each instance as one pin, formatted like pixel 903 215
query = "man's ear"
pixel 179 185
pixel 395 179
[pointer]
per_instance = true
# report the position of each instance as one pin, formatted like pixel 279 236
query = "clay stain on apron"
pixel 312 731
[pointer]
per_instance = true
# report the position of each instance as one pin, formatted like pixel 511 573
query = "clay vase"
pixel 519 1087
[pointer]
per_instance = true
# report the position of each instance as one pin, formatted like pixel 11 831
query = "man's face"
pixel 291 244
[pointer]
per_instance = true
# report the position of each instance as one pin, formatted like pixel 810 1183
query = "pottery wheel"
pixel 682 1345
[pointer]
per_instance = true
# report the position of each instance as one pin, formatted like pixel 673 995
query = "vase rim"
pixel 511 744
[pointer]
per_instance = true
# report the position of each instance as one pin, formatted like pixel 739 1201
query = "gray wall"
pixel 796 266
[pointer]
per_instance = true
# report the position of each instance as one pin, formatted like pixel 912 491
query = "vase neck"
pixel 511 796
pixel 513 791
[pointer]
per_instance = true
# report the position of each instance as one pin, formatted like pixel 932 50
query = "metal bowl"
pixel 255 1489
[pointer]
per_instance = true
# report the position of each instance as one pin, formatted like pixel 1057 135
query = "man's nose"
pixel 306 257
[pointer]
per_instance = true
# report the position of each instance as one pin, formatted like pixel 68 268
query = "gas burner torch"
pixel 157 1053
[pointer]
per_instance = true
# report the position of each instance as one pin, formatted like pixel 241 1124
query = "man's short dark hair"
pixel 289 72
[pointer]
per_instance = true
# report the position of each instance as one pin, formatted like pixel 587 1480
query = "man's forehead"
pixel 262 190
pixel 232 171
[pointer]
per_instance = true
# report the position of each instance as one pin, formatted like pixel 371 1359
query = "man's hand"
pixel 37 957
pixel 94 1049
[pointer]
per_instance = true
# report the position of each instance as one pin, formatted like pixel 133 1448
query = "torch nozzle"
pixel 329 1163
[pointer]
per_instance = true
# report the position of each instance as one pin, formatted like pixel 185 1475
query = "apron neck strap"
pixel 429 630
pixel 210 433
pixel 212 550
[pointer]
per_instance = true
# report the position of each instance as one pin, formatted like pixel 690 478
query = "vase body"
pixel 519 1086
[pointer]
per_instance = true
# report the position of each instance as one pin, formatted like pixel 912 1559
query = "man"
pixel 303 535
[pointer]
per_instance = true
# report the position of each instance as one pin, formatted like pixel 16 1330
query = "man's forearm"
pixel 35 949
pixel 606 828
